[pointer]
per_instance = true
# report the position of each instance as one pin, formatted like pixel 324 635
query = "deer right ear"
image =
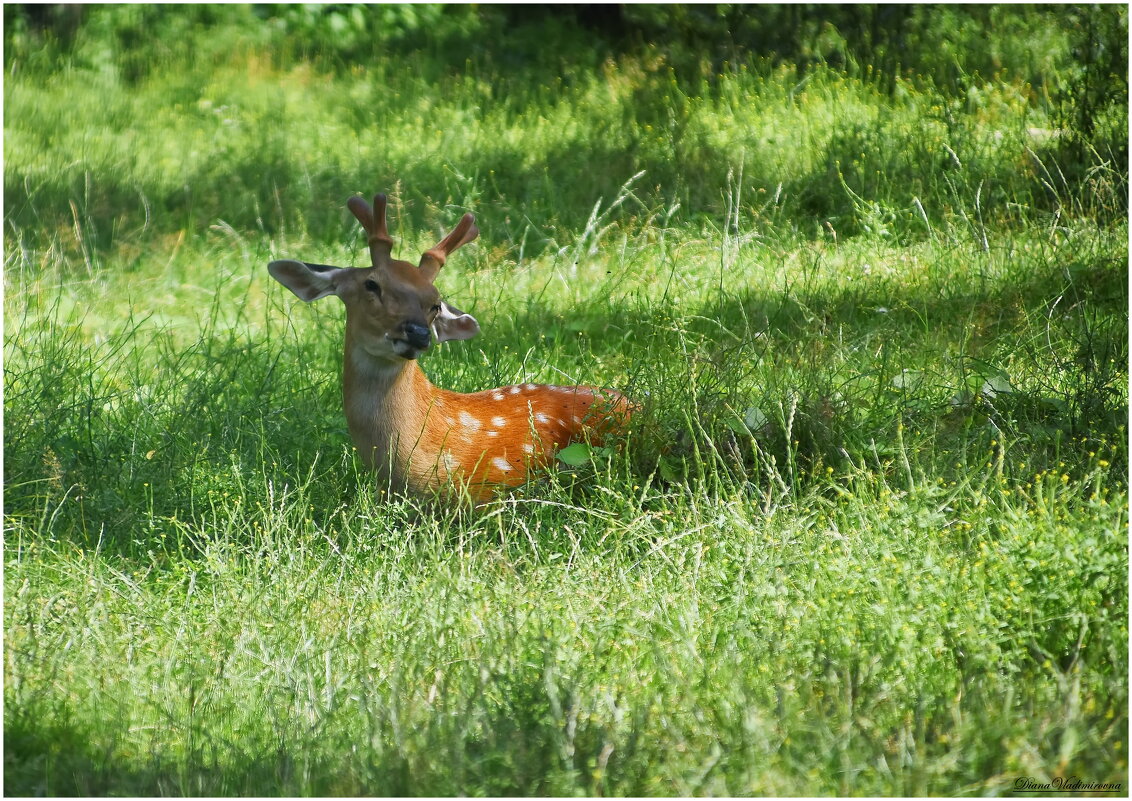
pixel 451 323
pixel 307 283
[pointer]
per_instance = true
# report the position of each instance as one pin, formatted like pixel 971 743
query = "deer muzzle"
pixel 417 335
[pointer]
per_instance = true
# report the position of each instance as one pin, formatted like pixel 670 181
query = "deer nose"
pixel 417 335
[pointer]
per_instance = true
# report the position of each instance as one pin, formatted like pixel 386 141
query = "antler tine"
pixel 373 221
pixel 432 260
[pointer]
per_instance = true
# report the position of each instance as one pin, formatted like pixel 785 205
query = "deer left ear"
pixel 451 323
pixel 308 281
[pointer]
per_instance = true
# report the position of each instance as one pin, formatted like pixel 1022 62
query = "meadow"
pixel 866 536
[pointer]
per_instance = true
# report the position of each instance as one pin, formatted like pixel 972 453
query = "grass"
pixel 868 535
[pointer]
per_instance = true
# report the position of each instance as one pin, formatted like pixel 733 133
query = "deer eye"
pixel 373 287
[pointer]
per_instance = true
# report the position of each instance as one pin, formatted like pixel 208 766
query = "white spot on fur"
pixel 542 418
pixel 492 433
pixel 530 387
pixel 561 422
pixel 577 420
pixel 501 464
pixel 499 422
pixel 528 448
pixel 468 421
pixel 516 390
pixel 497 396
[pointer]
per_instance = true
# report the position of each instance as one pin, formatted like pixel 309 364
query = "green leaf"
pixel 670 471
pixel 733 422
pixel 752 420
pixel 996 385
pixel 575 455
pixel 908 379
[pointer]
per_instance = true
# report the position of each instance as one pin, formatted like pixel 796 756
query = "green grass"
pixel 868 534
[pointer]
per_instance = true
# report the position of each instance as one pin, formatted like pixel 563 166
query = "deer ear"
pixel 308 281
pixel 451 323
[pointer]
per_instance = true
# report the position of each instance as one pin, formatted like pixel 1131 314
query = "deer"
pixel 421 440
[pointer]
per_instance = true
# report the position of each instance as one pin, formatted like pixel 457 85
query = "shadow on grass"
pixel 512 753
pixel 264 189
pixel 67 760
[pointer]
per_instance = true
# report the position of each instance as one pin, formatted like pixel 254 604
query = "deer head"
pixel 393 310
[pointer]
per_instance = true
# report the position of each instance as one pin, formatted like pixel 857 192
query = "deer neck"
pixel 387 406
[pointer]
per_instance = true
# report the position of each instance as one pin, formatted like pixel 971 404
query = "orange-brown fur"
pixel 479 440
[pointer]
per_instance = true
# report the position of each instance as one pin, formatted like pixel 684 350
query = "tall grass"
pixel 868 534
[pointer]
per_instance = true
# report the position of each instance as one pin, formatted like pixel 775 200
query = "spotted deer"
pixel 419 438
